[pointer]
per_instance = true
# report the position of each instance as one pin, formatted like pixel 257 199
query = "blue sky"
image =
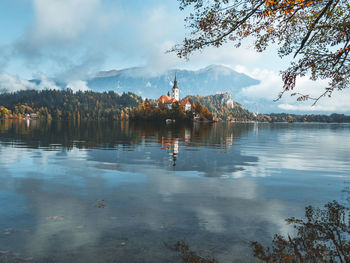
pixel 70 40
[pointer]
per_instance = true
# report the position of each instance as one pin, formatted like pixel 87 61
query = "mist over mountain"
pixel 255 95
pixel 206 81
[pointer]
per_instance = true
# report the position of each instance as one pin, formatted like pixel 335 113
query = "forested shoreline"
pixel 67 105
pixel 89 105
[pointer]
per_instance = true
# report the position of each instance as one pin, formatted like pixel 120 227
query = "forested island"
pixel 158 111
pixel 89 105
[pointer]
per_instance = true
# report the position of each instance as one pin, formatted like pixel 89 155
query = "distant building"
pixel 186 104
pixel 169 100
pixel 175 97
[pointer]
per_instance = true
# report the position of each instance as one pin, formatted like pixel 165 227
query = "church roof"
pixel 166 99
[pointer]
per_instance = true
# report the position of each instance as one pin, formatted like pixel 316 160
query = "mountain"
pixel 206 81
pixel 140 81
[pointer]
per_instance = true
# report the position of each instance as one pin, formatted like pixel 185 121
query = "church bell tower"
pixel 176 91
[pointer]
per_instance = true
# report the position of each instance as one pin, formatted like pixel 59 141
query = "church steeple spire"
pixel 176 91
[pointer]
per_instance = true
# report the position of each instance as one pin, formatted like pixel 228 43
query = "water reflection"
pixel 61 218
pixel 175 147
pixel 322 236
pixel 104 192
pixel 48 134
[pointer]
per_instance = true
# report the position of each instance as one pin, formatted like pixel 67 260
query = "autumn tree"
pixel 323 236
pixel 315 32
pixel 4 113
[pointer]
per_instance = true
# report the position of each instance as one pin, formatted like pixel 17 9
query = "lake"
pixel 126 192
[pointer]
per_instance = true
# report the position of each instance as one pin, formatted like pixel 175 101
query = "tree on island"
pixel 315 32
pixel 152 111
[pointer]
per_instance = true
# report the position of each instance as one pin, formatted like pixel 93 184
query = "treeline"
pixel 223 107
pixel 89 105
pixel 67 105
pixel 158 111
pixel 284 117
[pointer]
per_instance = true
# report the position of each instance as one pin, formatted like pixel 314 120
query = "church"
pixel 175 96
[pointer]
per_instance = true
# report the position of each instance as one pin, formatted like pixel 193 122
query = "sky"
pixel 71 40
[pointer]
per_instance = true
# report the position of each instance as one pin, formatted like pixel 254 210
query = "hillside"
pixel 223 107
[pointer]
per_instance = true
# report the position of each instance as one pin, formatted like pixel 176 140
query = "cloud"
pixel 65 36
pixel 271 85
pixel 9 83
pixel 86 65
pixel 77 85
pixel 44 82
pixel 158 61
pixel 58 21
pixel 151 39
pixel 338 102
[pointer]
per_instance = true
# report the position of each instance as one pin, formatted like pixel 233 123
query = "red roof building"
pixel 166 99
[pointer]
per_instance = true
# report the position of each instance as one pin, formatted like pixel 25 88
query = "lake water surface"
pixel 124 192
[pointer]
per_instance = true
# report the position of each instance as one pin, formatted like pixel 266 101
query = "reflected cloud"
pixel 66 217
pixel 111 189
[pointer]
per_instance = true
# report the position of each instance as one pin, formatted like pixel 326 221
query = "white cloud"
pixel 339 102
pixel 44 82
pixel 66 20
pixel 77 85
pixel 159 60
pixel 271 85
pixel 11 83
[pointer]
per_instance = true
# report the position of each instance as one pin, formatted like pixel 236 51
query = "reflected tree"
pixel 189 256
pixel 323 236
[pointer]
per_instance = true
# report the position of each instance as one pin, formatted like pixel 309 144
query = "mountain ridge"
pixel 139 80
pixel 147 84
